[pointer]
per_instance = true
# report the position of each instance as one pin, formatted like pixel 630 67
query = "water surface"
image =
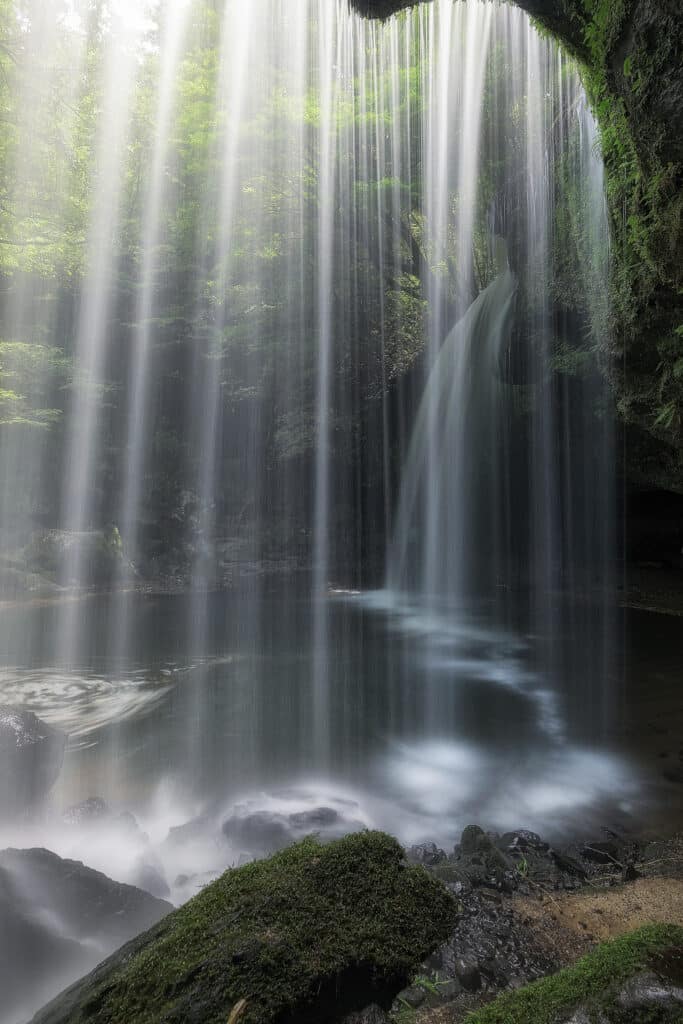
pixel 436 720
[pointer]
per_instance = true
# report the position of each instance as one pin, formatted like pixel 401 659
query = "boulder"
pixel 92 811
pixel 58 918
pixel 467 973
pixel 31 756
pixel 87 903
pixel 95 812
pixel 150 878
pixel 649 990
pixel 522 840
pixel 192 831
pixel 318 818
pixel 413 997
pixel 427 853
pixel 313 934
pixel 260 833
pixel 478 860
pixel 474 840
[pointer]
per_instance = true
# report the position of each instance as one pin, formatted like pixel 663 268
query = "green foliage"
pixel 27 372
pixel 571 361
pixel 630 58
pixel 251 320
pixel 522 866
pixel 311 929
pixel 593 981
pixel 406 313
pixel 643 189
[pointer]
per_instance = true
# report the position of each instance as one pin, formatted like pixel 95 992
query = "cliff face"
pixel 632 71
pixel 631 55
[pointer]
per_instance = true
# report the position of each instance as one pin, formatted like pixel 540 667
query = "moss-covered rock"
pixel 633 74
pixel 309 935
pixel 621 982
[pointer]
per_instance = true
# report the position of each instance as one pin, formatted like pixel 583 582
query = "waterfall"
pixel 306 448
pixel 95 307
pixel 491 506
pixel 138 427
pixel 453 461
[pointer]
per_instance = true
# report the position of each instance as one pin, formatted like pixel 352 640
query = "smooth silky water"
pixel 472 672
pixel 435 720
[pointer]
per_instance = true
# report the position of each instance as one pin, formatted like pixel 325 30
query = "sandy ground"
pixel 568 925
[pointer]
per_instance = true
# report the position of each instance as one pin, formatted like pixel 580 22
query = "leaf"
pixel 666 416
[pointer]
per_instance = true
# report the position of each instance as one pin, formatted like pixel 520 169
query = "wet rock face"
pixel 491 949
pixel 380 8
pixel 31 756
pixel 85 902
pixel 57 919
pixel 632 70
pixel 494 948
pixel 35 962
pixel 553 13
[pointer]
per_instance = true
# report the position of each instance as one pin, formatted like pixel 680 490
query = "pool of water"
pixel 432 720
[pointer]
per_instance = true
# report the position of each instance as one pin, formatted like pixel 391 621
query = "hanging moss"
pixel 311 934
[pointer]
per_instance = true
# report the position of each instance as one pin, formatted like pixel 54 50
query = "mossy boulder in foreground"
pixel 309 935
pixel 635 979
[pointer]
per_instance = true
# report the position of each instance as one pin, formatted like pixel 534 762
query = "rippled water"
pixel 437 721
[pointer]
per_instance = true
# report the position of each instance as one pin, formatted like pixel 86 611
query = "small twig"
pixel 604 853
pixel 237 1011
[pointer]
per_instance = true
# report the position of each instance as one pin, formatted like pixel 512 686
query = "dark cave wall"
pixel 631 55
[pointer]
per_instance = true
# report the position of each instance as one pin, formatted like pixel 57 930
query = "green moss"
pixel 591 982
pixel 630 65
pixel 632 74
pixel 307 935
pixel 629 54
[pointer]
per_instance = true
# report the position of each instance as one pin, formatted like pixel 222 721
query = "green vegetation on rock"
pixel 634 80
pixel 629 52
pixel 311 934
pixel 591 984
